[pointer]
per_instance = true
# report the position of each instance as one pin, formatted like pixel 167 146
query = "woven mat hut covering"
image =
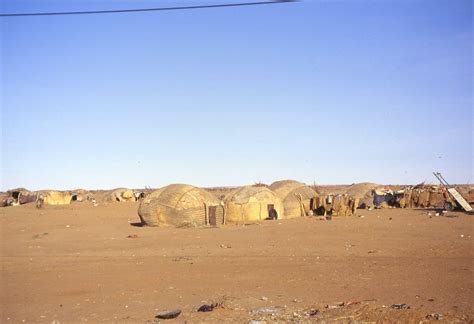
pixel 362 190
pixel 121 195
pixel 179 205
pixel 56 197
pixel 251 204
pixel 23 191
pixel 17 196
pixel 298 199
pixel 427 196
pixel 82 195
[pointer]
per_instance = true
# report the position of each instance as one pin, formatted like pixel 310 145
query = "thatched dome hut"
pixel 362 190
pixel 18 196
pixel 22 191
pixel 82 195
pixel 181 205
pixel 251 204
pixel 121 195
pixel 363 193
pixel 298 199
pixel 51 197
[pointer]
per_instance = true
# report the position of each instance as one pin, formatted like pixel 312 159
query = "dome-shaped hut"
pixel 252 204
pixel 362 190
pixel 121 195
pixel 363 193
pixel 51 197
pixel 298 199
pixel 181 205
pixel 18 196
pixel 81 195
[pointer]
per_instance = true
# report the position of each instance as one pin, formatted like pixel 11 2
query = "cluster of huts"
pixel 183 205
pixel 419 196
pixel 187 206
pixel 21 196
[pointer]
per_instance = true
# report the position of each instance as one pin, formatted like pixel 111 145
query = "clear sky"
pixel 318 91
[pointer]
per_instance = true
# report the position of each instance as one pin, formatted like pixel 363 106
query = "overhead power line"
pixel 93 12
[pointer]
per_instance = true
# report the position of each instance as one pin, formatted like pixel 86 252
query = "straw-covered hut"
pixel 181 205
pixel 298 199
pixel 121 195
pixel 363 193
pixel 252 204
pixel 17 196
pixel 50 197
pixel 82 195
pixel 362 190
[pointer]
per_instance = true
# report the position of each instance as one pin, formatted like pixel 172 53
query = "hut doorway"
pixel 312 204
pixel 272 213
pixel 213 215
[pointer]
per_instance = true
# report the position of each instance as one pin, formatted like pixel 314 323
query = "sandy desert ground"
pixel 82 263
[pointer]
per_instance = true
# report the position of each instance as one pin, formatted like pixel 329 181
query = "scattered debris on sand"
pixel 168 314
pixel 400 306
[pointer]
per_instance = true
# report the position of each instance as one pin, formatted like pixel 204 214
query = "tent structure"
pixel 81 195
pixel 437 198
pixel 16 197
pixel 55 197
pixel 363 193
pixel 427 196
pixel 252 204
pixel 181 205
pixel 384 197
pixel 298 199
pixel 362 190
pixel 122 195
pixel 4 196
pixel 343 205
pixel 336 205
pixel 404 197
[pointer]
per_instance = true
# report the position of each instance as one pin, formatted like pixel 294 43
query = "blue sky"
pixel 319 91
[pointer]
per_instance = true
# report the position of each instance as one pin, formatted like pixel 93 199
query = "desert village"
pixel 368 252
pixel 182 205
pixel 245 102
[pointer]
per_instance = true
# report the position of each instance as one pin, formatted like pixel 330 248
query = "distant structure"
pixel 81 195
pixel 298 199
pixel 363 193
pixel 122 195
pixel 252 204
pixel 181 205
pixel 51 197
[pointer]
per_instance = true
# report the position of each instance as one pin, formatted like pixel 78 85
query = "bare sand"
pixel 76 263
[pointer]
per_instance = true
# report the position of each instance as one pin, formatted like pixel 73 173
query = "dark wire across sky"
pixel 111 11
